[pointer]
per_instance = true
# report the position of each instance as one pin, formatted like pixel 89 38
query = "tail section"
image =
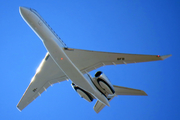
pixel 118 91
pixel 98 106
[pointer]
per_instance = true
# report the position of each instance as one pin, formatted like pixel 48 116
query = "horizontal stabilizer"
pixel 128 91
pixel 118 91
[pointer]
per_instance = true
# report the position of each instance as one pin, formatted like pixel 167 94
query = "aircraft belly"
pixel 66 65
pixel 70 70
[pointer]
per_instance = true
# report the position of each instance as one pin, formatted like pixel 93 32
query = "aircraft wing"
pixel 87 61
pixel 47 74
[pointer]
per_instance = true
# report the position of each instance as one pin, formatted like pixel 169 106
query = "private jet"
pixel 62 63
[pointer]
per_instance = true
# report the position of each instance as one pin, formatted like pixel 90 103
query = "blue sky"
pixel 126 26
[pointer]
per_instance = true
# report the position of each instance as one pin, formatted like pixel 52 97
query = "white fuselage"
pixel 55 46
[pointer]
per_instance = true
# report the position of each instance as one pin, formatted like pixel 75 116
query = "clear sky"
pixel 124 26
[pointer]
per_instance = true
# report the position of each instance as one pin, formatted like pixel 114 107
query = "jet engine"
pixel 103 84
pixel 87 96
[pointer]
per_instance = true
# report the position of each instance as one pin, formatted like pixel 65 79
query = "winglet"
pixel 18 108
pixel 165 56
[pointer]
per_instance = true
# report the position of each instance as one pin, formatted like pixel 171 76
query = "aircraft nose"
pixel 24 11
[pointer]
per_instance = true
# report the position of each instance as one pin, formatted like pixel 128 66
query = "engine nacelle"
pixel 87 96
pixel 103 84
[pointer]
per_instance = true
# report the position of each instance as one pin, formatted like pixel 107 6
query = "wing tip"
pixel 144 93
pixel 165 56
pixel 18 108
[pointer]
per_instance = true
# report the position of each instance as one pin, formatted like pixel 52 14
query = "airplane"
pixel 62 63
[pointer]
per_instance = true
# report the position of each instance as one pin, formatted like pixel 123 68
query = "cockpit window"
pixel 33 10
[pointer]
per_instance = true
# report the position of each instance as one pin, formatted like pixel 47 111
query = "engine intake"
pixel 87 96
pixel 103 84
pixel 98 73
